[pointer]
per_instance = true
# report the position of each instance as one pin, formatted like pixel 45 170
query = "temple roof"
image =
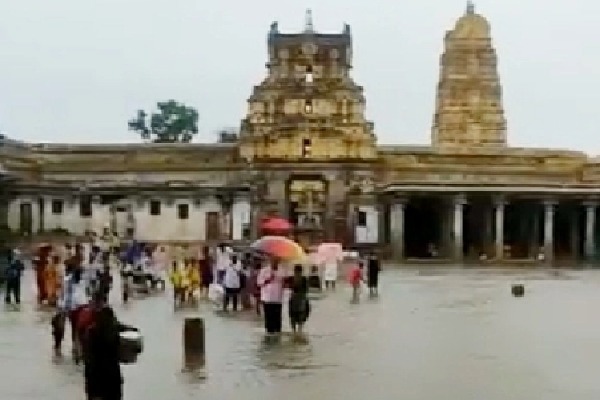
pixel 276 38
pixel 471 25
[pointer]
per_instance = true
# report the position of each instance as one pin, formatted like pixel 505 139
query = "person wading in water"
pixel 101 340
pixel 299 307
pixel 270 281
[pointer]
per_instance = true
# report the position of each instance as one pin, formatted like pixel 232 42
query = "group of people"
pixel 260 283
pixel 82 299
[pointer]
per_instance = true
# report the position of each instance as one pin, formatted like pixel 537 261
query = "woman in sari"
pixel 53 280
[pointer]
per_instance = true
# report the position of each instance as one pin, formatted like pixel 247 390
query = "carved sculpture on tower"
pixel 308 107
pixel 468 110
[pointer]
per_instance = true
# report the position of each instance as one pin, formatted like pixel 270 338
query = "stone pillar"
pixel 446 237
pixel 590 227
pixel 254 220
pixel 549 230
pixel 335 194
pixel 534 244
pixel 574 234
pixel 382 238
pixel 457 231
pixel 352 221
pixel 488 238
pixel 397 229
pixel 499 208
pixel 42 204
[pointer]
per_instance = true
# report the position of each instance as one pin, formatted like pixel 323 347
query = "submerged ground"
pixel 434 333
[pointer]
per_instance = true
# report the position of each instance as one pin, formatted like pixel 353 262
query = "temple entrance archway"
pixel 307 205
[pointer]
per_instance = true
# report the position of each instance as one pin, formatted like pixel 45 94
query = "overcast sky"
pixel 77 70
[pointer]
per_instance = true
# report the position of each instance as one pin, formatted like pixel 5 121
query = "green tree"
pixel 173 122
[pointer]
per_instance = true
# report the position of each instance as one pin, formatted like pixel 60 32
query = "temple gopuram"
pixel 307 152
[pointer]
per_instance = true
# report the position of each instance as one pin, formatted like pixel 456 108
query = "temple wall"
pixel 131 213
pixel 168 227
pixel 240 214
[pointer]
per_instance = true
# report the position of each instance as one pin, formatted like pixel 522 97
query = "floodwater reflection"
pixel 452 333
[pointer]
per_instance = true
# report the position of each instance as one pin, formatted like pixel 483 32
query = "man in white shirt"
pixel 271 281
pixel 222 260
pixel 232 283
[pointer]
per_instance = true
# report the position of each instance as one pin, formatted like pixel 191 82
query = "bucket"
pixel 131 344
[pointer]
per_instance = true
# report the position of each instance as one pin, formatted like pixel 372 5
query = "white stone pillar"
pixel 549 230
pixel 590 227
pixel 397 229
pixel 499 237
pixel 457 231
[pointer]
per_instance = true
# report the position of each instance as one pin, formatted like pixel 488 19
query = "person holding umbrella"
pixel 270 281
pixel 271 278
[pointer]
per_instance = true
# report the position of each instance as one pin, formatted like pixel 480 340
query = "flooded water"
pixel 434 333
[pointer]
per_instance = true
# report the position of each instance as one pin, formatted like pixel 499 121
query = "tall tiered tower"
pixel 308 107
pixel 469 108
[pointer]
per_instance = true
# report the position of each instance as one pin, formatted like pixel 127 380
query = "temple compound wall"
pixel 307 152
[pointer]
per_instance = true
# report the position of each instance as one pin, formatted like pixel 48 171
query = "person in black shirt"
pixel 299 307
pixel 102 369
pixel 105 282
pixel 373 269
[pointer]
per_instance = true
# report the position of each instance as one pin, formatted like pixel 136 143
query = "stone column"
pixel 534 244
pixel 549 230
pixel 457 231
pixel 447 237
pixel 42 214
pixel 352 220
pixel 397 229
pixel 335 194
pixel 574 236
pixel 499 208
pixel 590 227
pixel 488 238
pixel 254 221
pixel 381 224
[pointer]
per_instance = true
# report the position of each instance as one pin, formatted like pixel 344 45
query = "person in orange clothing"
pixel 53 280
pixel 41 263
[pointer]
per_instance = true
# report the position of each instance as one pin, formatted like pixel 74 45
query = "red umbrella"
pixel 276 224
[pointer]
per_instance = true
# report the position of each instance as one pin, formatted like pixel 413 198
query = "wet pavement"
pixel 434 333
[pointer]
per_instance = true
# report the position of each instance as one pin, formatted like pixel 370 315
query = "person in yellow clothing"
pixel 193 279
pixel 177 280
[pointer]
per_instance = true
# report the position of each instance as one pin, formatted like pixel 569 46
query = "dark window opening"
pixel 57 207
pixel 85 206
pixel 306 147
pixel 308 106
pixel 154 207
pixel 362 218
pixel 183 211
pixel 309 76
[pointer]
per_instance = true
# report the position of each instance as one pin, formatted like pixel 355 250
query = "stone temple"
pixel 307 152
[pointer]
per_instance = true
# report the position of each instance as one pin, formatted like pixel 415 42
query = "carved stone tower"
pixel 308 107
pixel 469 108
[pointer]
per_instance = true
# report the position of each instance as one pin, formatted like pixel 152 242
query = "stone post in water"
pixel 193 344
